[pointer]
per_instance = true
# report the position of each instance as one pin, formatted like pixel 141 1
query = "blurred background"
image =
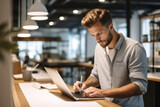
pixel 54 33
pixel 51 35
pixel 62 34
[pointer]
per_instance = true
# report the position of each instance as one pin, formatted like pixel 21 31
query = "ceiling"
pixel 57 8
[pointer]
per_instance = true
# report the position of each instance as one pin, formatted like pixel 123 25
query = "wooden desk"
pixel 154 77
pixel 21 101
pixel 59 63
pixel 86 64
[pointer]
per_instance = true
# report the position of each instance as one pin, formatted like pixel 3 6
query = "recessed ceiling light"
pixel 75 11
pixel 51 23
pixel 61 18
pixel 101 0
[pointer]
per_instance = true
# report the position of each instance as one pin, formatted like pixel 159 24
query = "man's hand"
pixel 122 92
pixel 93 92
pixel 77 88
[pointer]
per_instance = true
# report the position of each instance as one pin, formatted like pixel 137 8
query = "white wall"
pixel 5 66
pixel 118 21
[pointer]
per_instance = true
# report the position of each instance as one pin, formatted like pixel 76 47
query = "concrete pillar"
pixel 134 27
pixel 5 65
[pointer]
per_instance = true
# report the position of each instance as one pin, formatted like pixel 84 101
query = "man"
pixel 120 66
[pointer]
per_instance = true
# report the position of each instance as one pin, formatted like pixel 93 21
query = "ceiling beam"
pixel 36 39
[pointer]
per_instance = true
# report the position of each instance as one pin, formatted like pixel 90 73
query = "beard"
pixel 107 41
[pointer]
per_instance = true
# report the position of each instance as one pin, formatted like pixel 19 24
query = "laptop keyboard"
pixel 78 95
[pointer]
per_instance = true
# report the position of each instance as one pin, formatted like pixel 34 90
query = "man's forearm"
pixel 91 81
pixel 123 92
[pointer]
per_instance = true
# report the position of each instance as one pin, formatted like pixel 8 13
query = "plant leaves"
pixel 1 56
pixel 5 44
pixel 2 27
pixel 14 48
pixel 152 21
pixel 158 24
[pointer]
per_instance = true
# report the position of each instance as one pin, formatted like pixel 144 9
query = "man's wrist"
pixel 85 85
pixel 103 93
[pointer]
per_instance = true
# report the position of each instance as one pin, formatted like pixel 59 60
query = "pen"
pixel 35 66
pixel 82 79
pixel 34 69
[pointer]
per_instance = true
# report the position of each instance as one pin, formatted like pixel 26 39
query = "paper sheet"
pixel 47 86
pixel 77 104
pixel 43 98
pixel 18 76
pixel 38 97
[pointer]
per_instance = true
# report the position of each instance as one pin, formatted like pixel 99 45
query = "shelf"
pixel 151 16
pixel 36 39
pixel 151 42
pixel 155 66
pixel 49 47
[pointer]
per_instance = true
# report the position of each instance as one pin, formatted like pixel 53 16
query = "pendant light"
pixel 30 24
pixel 24 33
pixel 37 9
pixel 39 18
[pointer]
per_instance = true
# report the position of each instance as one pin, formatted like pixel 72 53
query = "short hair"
pixel 96 15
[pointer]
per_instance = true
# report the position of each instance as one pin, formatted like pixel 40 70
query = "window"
pixel 146 31
pixel 122 29
pixel 30 48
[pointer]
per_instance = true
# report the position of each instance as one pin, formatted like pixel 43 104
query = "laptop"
pixel 63 87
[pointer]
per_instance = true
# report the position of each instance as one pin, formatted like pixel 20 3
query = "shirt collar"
pixel 119 43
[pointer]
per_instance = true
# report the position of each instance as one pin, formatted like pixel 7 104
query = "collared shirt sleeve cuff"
pixel 94 76
pixel 142 86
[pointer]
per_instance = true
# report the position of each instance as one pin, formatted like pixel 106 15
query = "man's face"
pixel 101 33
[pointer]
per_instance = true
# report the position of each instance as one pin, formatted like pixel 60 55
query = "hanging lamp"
pixel 37 9
pixel 39 18
pixel 30 24
pixel 24 33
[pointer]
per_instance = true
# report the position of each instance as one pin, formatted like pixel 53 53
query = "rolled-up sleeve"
pixel 138 67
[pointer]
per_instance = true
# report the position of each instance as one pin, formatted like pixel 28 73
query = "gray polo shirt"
pixel 129 65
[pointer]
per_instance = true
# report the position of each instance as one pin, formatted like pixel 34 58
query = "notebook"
pixel 63 87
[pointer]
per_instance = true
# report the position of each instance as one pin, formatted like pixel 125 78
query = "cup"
pixel 27 75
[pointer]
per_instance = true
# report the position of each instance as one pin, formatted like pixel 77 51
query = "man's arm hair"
pixel 91 81
pixel 123 92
